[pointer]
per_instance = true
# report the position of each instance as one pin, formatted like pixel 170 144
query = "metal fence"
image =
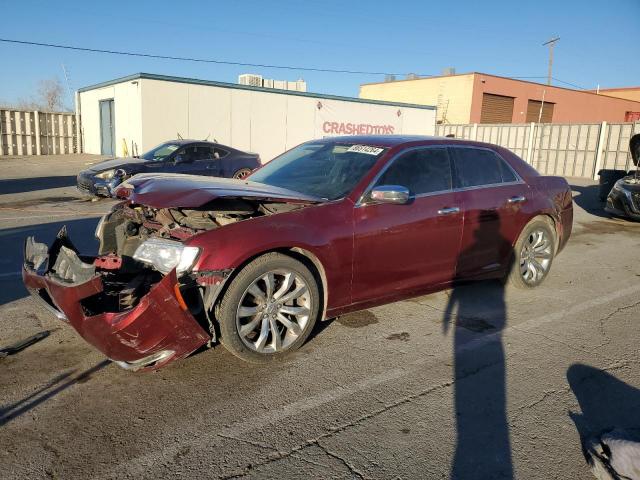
pixel 25 132
pixel 571 150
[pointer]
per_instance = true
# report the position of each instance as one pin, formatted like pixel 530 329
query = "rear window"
pixel 476 167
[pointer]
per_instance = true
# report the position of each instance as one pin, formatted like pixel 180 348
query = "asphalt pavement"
pixel 479 382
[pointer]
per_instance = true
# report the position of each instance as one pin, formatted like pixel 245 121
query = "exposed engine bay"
pixel 123 230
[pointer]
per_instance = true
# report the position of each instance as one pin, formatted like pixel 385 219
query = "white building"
pixel 133 114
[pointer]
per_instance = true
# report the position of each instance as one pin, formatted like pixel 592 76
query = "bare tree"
pixel 50 94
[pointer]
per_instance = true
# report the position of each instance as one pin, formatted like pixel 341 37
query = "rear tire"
pixel 533 254
pixel 269 309
pixel 242 173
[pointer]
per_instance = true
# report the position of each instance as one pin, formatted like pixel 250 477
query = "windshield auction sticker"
pixel 365 149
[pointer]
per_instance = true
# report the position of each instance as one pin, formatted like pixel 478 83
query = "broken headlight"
pixel 165 255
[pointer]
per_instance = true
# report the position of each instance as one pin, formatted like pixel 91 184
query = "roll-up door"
pixel 533 111
pixel 496 108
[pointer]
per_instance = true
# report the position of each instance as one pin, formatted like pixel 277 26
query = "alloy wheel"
pixel 273 311
pixel 536 256
pixel 242 173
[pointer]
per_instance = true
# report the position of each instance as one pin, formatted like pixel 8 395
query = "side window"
pixel 507 173
pixel 204 153
pixel 424 170
pixel 476 167
pixel 219 152
pixel 188 154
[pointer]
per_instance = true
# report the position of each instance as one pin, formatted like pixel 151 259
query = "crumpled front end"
pixel 624 198
pixel 137 317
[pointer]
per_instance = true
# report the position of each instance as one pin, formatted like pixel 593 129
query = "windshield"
pixel 326 170
pixel 160 152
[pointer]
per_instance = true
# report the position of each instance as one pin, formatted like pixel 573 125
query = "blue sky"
pixel 599 41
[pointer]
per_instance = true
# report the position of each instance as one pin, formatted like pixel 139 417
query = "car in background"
pixel 624 198
pixel 193 157
pixel 330 227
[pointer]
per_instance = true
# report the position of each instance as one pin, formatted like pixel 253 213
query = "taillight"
pixel 123 192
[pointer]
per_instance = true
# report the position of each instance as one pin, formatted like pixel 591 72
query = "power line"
pixel 243 64
pixel 570 84
pixel 200 60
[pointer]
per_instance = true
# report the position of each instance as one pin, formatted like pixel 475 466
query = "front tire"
pixel 269 309
pixel 533 254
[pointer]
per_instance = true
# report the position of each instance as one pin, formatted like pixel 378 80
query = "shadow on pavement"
pixel 606 402
pixel 587 198
pixel 483 448
pixel 51 389
pixel 81 233
pixel 20 185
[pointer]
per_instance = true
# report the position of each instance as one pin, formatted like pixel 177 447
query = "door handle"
pixel 448 211
pixel 517 199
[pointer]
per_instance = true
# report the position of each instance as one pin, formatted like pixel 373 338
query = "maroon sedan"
pixel 329 227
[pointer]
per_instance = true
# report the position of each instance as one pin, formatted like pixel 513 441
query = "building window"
pixel 496 109
pixel 534 112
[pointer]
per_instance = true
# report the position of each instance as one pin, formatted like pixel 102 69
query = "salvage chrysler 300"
pixel 329 227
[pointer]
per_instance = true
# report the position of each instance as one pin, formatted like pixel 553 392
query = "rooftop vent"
pixel 250 79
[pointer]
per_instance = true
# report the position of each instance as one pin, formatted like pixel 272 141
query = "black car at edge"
pixel 624 198
pixel 194 157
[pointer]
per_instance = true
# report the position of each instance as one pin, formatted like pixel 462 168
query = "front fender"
pixel 324 230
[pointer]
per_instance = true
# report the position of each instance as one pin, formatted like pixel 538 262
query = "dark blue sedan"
pixel 194 157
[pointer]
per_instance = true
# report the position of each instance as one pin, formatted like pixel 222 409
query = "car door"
pixel 184 161
pixel 492 196
pixel 206 161
pixel 399 248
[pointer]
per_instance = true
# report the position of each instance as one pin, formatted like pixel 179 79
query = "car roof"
pixel 396 140
pixel 186 141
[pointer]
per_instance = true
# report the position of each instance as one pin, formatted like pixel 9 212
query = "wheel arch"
pixel 545 216
pixel 306 257
pixel 556 228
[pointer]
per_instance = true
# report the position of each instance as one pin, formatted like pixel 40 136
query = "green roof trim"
pixel 211 83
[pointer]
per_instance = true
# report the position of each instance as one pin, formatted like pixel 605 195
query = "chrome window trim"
pixel 518 181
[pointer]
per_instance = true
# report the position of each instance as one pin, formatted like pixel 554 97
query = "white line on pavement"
pixel 294 408
pixel 239 428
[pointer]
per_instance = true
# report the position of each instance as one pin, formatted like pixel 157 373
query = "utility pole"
pixel 66 79
pixel 551 44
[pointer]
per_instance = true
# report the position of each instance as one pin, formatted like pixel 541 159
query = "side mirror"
pixel 390 194
pixel 180 158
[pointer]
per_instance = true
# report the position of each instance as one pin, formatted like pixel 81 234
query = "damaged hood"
pixel 116 163
pixel 166 190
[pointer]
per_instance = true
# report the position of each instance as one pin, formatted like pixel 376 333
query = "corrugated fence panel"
pixel 616 154
pixel 21 131
pixel 569 150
